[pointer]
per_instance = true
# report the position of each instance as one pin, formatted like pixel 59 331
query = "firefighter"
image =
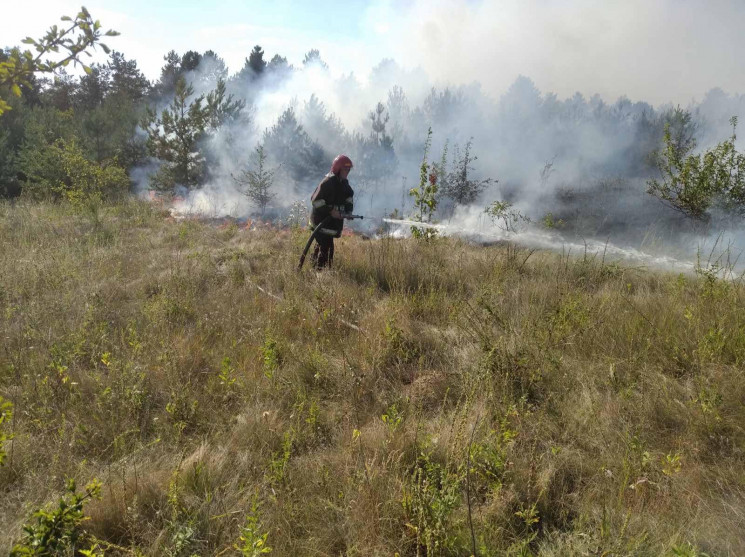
pixel 333 197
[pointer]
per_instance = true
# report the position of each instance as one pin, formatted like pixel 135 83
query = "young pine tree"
pixel 173 138
pixel 256 183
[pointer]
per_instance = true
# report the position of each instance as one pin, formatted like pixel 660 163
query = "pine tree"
pixel 398 110
pixel 127 80
pixel 212 68
pixel 173 138
pixel 190 61
pixel 222 109
pixel 256 61
pixel 256 183
pixel 379 118
pixel 253 67
pixel 313 57
pixel 324 127
pixel 279 65
pixel 375 159
pixel 287 144
pixel 169 74
pixel 60 91
pixel 92 88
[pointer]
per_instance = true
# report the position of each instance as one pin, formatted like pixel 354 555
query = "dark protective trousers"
pixel 323 254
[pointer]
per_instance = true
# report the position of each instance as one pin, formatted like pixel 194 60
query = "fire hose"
pixel 317 230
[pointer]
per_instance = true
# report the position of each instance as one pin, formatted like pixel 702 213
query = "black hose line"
pixel 313 234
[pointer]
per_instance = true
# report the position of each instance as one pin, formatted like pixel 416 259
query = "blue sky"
pixel 655 50
pixel 230 27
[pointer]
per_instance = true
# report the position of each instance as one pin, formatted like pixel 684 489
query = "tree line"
pixel 72 136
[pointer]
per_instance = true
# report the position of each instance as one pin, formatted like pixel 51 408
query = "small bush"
pixel 58 531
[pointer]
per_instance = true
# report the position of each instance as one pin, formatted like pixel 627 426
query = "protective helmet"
pixel 342 161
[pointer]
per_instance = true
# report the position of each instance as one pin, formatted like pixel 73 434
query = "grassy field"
pixel 423 398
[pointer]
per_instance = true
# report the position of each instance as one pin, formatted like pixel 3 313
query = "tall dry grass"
pixel 422 398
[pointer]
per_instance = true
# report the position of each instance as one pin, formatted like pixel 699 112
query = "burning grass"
pixel 420 399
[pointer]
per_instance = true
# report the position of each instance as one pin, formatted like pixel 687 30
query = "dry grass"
pixel 582 407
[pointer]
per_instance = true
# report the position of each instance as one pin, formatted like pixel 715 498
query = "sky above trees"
pixel 661 51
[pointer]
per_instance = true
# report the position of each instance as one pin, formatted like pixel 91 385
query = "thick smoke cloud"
pixel 460 69
pixel 662 51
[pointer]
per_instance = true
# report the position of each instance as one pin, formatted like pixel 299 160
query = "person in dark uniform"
pixel 333 197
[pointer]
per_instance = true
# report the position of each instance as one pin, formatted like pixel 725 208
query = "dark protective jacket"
pixel 331 193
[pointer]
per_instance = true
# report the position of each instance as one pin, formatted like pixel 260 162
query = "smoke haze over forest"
pixel 659 52
pixel 564 103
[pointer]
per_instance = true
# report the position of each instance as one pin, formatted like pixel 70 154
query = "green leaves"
pixel 256 181
pixel 425 196
pixel 6 413
pixel 74 41
pixel 693 184
pixel 54 532
pixel 252 541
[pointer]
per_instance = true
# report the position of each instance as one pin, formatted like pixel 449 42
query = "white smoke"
pixel 458 70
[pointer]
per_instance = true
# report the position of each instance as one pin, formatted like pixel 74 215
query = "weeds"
pixel 253 542
pixel 6 414
pixel 58 531
pixel 430 500
pixel 608 400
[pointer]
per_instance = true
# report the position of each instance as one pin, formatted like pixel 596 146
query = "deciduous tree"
pixel 75 39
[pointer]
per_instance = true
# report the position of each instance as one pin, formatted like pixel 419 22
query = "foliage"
pixel 252 540
pixel 256 182
pixel 425 195
pixel 694 184
pixel 58 531
pixel 140 355
pixel 173 137
pixel 460 187
pixel 82 34
pixel 256 60
pixel 271 356
pixel 63 172
pixel 9 184
pixel 222 108
pixel 6 414
pixel 549 221
pixel 506 217
pixel 322 126
pixel 289 146
pixel 313 58
pixel 429 502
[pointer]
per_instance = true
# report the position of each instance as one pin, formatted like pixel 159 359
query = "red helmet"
pixel 342 161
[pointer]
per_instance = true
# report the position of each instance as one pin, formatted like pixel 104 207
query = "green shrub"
pixel 692 184
pixel 57 532
pixel 63 172
pixel 6 413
